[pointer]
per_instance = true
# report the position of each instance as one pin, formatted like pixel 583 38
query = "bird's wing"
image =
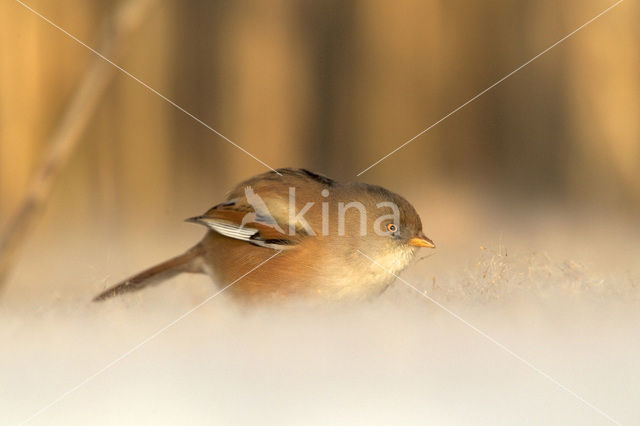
pixel 248 219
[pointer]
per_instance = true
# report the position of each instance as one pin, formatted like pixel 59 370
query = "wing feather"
pixel 239 219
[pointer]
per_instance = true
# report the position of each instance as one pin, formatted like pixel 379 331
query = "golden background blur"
pixel 531 193
pixel 331 86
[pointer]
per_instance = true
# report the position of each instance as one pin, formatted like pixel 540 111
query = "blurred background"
pixel 331 86
pixel 531 192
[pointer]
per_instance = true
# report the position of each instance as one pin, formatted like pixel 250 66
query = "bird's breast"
pixel 314 269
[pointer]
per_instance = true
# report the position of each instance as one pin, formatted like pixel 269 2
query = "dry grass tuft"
pixel 503 275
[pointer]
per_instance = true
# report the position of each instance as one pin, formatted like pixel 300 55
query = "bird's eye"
pixel 392 227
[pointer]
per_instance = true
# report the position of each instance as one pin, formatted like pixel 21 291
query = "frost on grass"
pixel 503 275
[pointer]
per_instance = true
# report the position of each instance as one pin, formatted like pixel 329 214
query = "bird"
pixel 292 233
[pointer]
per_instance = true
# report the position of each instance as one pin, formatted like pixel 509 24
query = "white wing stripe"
pixel 232 231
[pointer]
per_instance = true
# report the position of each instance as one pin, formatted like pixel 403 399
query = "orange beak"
pixel 422 241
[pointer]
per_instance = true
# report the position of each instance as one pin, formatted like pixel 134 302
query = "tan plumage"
pixel 256 220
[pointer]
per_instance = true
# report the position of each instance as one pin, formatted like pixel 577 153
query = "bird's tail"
pixel 191 261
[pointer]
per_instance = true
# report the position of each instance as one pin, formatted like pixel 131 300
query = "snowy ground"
pixel 562 295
